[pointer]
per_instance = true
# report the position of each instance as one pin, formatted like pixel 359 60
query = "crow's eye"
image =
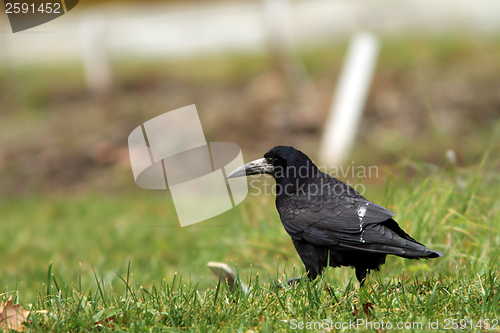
pixel 270 160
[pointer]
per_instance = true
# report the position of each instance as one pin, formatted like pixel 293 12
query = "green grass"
pixel 122 262
pixel 91 252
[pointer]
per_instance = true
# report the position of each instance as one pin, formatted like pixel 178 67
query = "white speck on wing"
pixel 361 237
pixel 361 213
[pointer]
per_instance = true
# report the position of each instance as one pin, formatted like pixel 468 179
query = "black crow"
pixel 328 221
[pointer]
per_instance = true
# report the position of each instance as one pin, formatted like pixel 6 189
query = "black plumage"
pixel 329 222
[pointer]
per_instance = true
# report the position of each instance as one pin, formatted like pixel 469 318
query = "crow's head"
pixel 279 162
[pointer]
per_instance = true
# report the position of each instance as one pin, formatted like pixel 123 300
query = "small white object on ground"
pixel 222 271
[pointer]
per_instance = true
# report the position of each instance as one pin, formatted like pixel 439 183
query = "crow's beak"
pixel 253 168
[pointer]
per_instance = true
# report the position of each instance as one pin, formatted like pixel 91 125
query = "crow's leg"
pixel 291 281
pixel 361 275
pixel 311 275
pixel 294 280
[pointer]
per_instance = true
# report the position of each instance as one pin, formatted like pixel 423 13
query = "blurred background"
pixel 261 73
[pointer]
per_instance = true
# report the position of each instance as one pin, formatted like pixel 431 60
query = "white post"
pixel 95 53
pixel 349 99
pixel 278 20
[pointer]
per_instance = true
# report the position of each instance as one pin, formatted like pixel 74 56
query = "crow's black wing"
pixel 327 203
pixel 346 221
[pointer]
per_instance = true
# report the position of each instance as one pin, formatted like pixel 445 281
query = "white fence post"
pixel 95 53
pixel 349 99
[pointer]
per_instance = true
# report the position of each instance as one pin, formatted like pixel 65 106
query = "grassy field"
pixel 94 262
pixel 87 250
